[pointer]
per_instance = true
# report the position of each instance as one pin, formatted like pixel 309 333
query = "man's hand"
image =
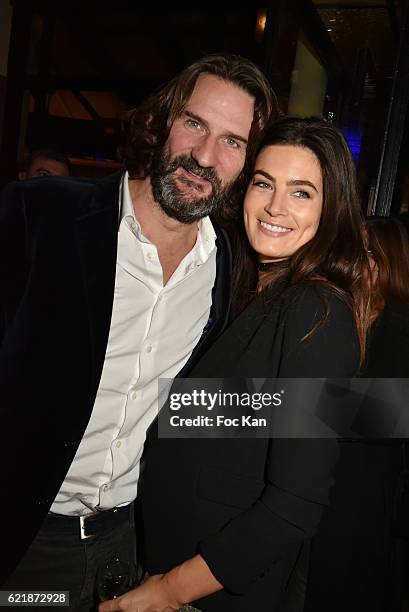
pixel 153 595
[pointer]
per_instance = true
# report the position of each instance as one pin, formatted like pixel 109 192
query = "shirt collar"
pixel 126 207
pixel 206 240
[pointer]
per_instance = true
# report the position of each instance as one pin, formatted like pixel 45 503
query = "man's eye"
pixel 231 142
pixel 301 194
pixel 193 124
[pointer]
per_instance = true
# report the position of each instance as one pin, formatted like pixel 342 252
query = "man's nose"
pixel 205 152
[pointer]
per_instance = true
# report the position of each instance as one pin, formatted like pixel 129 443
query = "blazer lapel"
pixel 221 298
pixel 97 232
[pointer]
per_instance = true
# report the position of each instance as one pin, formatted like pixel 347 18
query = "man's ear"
pixel 22 175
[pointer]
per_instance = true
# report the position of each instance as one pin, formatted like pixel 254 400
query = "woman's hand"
pixel 168 592
pixel 154 595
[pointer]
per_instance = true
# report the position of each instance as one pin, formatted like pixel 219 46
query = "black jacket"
pixel 248 504
pixel 58 243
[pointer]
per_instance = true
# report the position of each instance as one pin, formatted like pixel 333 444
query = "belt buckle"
pixel 83 535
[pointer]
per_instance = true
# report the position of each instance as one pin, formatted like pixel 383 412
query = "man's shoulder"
pixel 68 185
pixel 61 191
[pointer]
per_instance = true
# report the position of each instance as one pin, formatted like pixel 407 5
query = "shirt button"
pixel 134 395
pixel 149 256
pixel 106 487
pixel 149 349
pixel 118 444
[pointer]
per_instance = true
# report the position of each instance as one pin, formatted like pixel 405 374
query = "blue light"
pixel 354 139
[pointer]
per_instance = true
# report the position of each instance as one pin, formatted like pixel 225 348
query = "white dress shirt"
pixel 154 329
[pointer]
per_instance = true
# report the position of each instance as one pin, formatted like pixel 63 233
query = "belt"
pixel 90 525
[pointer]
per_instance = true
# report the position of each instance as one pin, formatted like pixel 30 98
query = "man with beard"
pixel 107 286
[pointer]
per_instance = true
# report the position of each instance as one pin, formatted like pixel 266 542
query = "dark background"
pixel 75 68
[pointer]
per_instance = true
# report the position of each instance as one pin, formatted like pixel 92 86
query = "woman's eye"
pixel 302 194
pixel 261 184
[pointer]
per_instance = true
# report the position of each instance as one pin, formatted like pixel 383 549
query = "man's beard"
pixel 172 202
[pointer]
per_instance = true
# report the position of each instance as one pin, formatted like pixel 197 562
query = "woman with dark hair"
pixel 225 519
pixel 358 559
pixel 388 247
pixel 388 357
pixel 335 257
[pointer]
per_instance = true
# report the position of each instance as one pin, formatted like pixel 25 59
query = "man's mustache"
pixel 190 165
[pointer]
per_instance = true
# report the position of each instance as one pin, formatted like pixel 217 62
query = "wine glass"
pixel 115 577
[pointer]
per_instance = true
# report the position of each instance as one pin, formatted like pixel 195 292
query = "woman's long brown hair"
pixel 336 256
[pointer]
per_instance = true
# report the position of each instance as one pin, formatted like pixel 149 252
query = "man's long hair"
pixel 336 256
pixel 149 124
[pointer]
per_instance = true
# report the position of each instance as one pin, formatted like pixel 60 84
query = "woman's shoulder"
pixel 315 300
pixel 319 334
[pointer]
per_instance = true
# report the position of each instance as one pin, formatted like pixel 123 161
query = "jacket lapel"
pixel 97 232
pixel 221 298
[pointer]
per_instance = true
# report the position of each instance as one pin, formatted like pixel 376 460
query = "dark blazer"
pixel 359 558
pixel 248 504
pixel 58 243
